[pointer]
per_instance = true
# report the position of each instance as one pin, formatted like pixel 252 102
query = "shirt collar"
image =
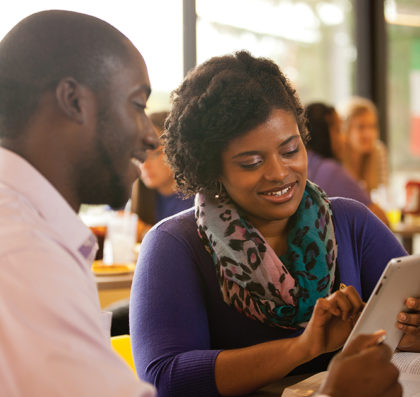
pixel 48 202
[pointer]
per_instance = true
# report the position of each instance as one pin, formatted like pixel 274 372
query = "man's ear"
pixel 71 96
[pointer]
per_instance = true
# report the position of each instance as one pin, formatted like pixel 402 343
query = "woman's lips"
pixel 279 194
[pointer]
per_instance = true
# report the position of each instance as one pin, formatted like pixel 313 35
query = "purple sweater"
pixel 179 322
pixel 334 179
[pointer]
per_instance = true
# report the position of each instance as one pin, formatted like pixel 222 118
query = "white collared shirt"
pixel 52 341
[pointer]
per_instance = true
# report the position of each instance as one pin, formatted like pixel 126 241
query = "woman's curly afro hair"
pixel 218 101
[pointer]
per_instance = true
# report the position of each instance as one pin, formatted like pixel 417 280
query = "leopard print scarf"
pixel 277 291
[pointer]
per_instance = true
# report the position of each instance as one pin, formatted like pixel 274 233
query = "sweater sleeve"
pixel 366 244
pixel 168 319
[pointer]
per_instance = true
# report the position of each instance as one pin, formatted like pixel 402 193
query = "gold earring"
pixel 218 195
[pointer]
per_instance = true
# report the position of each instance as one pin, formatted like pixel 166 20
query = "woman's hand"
pixel 363 369
pixel 332 320
pixel 409 323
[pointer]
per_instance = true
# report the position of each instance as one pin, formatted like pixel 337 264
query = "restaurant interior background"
pixel 330 49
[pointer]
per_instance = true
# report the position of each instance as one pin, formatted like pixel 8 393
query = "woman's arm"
pixel 241 371
pixel 171 337
pixel 168 319
pixel 373 246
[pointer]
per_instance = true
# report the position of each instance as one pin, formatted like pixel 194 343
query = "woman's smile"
pixel 279 194
pixel 264 170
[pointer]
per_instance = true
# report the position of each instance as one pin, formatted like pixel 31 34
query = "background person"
pixel 324 125
pixel 365 156
pixel 73 90
pixel 155 196
pixel 223 295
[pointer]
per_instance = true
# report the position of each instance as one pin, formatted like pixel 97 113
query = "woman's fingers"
pixel 413 304
pixel 409 322
pixel 345 302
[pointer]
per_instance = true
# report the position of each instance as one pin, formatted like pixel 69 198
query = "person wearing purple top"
pixel 154 195
pixel 245 289
pixel 332 177
pixel 324 146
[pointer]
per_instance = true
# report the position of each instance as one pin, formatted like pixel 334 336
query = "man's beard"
pixel 99 182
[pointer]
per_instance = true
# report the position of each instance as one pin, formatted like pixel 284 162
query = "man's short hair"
pixel 46 47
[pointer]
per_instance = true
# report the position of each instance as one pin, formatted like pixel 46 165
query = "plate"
pixel 100 269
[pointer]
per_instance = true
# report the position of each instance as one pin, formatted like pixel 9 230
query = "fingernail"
pixel 381 339
pixel 401 326
pixel 411 302
pixel 402 317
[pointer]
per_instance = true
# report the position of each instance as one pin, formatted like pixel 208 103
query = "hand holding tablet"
pixel 399 281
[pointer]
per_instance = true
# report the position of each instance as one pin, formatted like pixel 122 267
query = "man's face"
pixel 123 134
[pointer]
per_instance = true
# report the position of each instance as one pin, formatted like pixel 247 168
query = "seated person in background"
pixel 244 289
pixel 154 195
pixel 365 156
pixel 154 198
pixel 324 124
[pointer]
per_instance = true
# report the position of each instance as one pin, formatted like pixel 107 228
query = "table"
pixel 114 282
pixel 277 389
pixel 113 288
pixel 407 232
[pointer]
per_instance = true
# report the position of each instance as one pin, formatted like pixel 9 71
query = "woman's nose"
pixel 276 170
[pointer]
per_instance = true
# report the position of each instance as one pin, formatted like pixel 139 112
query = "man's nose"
pixel 150 139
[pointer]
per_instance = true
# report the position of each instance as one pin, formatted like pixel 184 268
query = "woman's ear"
pixel 71 97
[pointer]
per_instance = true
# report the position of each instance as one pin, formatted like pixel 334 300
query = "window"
pixel 403 28
pixel 154 27
pixel 311 41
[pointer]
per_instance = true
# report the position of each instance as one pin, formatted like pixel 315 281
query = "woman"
pixel 222 296
pixel 155 196
pixel 324 126
pixel 365 156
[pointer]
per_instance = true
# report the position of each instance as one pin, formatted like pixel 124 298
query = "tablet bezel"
pixel 399 280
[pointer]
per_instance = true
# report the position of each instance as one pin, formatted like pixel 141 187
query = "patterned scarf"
pixel 278 291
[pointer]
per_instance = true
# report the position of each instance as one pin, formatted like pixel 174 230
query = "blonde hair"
pixel 354 107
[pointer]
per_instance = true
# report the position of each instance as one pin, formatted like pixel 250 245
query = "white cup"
pixel 121 238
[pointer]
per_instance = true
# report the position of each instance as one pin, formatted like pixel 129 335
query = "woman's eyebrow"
pixel 254 152
pixel 291 138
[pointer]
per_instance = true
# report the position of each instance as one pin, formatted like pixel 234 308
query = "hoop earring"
pixel 218 195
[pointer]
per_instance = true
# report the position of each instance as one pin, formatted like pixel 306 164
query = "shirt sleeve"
pixel 168 320
pixel 53 343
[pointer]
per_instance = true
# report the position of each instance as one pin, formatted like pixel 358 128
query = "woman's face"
pixel 156 173
pixel 265 170
pixel 363 132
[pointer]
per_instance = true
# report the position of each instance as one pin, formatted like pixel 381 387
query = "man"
pixel 73 91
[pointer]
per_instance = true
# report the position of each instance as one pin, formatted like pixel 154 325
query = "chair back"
pixel 122 346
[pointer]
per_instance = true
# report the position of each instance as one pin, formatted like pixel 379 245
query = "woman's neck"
pixel 167 189
pixel 274 232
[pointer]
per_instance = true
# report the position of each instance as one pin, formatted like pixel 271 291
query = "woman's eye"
pixel 291 152
pixel 252 165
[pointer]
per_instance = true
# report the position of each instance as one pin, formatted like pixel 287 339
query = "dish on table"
pixel 101 269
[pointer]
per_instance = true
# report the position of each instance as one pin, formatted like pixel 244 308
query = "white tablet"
pixel 400 280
